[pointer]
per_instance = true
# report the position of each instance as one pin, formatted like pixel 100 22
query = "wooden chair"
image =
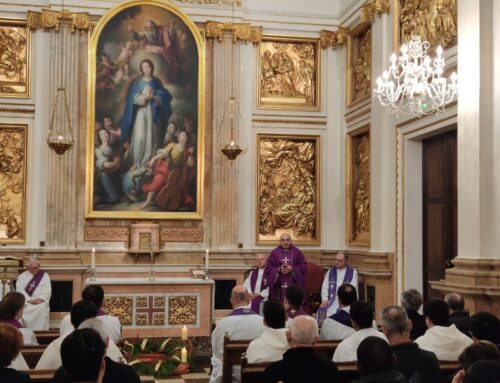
pixel 45 337
pixel 32 354
pixel 312 288
pixel 234 349
pixel 41 376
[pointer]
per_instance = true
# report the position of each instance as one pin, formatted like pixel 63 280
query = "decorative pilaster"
pixel 63 183
pixel 224 173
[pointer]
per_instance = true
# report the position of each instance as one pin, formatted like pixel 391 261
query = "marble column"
pixel 63 188
pixel 224 173
pixel 477 267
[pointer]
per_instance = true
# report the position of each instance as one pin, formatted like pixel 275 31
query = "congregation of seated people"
pixel 284 341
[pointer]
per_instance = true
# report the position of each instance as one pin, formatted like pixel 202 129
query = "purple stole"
pixel 332 289
pixel 13 322
pixel 255 304
pixel 34 282
pixel 342 317
pixel 242 311
pixel 101 312
pixel 292 313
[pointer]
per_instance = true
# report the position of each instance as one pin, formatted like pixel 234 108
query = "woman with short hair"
pixel 12 342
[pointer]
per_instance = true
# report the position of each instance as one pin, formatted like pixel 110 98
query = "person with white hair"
pixel 300 363
pixel 34 284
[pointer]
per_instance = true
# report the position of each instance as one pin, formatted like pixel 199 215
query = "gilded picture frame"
pixel 436 27
pixel 15 60
pixel 289 73
pixel 288 188
pixel 13 154
pixel 145 122
pixel 359 64
pixel 358 187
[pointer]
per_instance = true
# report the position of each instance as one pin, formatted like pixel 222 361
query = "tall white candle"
pixel 184 333
pixel 184 355
pixel 206 260
pixel 92 259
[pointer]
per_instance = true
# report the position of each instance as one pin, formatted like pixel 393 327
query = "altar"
pixel 159 307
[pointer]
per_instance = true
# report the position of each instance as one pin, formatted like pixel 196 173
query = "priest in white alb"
pixel 34 284
pixel 242 323
pixel 256 284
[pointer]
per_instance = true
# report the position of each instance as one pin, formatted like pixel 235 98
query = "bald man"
pixel 286 266
pixel 256 284
pixel 300 363
pixel 242 323
pixel 34 284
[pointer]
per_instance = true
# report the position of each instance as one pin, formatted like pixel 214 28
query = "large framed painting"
pixel 13 152
pixel 15 58
pixel 288 185
pixel 358 187
pixel 289 73
pixel 145 121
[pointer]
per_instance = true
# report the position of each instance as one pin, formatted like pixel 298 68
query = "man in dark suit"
pixel 300 363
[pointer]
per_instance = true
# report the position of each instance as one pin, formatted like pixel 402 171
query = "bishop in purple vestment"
pixel 286 266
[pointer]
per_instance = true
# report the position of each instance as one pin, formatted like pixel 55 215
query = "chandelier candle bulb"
pixel 92 259
pixel 184 354
pixel 184 333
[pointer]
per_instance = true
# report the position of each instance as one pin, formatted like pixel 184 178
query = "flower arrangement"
pixel 158 357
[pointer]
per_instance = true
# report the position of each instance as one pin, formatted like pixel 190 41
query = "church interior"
pixel 156 148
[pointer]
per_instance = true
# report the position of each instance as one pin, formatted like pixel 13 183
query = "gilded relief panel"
pixel 182 310
pixel 120 307
pixel 434 21
pixel 289 73
pixel 15 49
pixel 358 187
pixel 288 188
pixel 13 147
pixel 359 64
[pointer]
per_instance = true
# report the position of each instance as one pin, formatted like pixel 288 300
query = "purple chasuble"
pixel 292 313
pixel 34 282
pixel 277 281
pixel 332 289
pixel 242 311
pixel 12 322
pixel 255 304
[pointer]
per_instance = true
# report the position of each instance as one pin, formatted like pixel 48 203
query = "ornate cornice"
pixel 122 233
pixel 48 20
pixel 239 31
pixel 215 2
pixel 333 39
pixel 374 8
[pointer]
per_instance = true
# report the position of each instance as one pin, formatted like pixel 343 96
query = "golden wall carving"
pixel 13 146
pixel 333 39
pixel 48 19
pixel 239 31
pixel 181 234
pixel 121 234
pixel 288 188
pixel 15 58
pixel 359 64
pixel 358 187
pixel 120 307
pixel 434 21
pixel 289 73
pixel 374 8
pixel 182 310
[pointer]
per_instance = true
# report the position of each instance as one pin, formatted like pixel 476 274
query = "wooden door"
pixel 439 207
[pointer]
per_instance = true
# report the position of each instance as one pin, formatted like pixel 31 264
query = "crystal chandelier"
pixel 414 85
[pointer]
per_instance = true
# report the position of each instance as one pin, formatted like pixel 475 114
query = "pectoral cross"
pixel 293 311
pixel 285 260
pixel 284 286
pixel 32 285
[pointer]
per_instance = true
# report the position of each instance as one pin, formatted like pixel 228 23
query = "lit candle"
pixel 59 138
pixel 184 354
pixel 206 260
pixel 184 333
pixel 92 259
